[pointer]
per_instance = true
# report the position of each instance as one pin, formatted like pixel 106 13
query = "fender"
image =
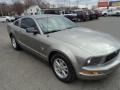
pixel 67 53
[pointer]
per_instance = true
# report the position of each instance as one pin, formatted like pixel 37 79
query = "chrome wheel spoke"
pixel 65 68
pixel 64 73
pixel 60 68
pixel 58 64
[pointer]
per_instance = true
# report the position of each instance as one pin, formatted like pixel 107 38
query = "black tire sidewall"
pixel 7 20
pixel 105 14
pixel 71 75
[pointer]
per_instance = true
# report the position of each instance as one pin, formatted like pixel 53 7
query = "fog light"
pixel 89 73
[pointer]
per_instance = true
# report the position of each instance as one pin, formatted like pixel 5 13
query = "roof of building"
pixel 34 6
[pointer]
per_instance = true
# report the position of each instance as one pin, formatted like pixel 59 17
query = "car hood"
pixel 92 42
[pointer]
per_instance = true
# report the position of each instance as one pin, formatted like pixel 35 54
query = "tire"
pixel 79 20
pixel 69 72
pixel 96 17
pixel 7 20
pixel 105 14
pixel 15 44
pixel 117 14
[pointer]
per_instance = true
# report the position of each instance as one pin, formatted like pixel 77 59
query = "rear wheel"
pixel 105 14
pixel 117 14
pixel 7 20
pixel 15 44
pixel 62 68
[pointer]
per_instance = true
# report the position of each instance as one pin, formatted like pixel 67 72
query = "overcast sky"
pixel 91 2
pixel 74 1
pixel 62 1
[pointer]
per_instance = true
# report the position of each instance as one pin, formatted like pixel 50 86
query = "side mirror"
pixel 31 30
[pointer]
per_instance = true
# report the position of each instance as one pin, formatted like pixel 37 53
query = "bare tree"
pixel 41 3
pixel 38 2
pixel 18 7
pixel 29 3
pixel 4 9
pixel 1 10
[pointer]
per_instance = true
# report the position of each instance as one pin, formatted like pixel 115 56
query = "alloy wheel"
pixel 60 68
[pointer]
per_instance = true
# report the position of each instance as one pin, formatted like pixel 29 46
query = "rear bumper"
pixel 99 71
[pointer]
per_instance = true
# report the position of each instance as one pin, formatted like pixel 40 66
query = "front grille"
pixel 111 56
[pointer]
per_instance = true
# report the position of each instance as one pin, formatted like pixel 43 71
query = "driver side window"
pixel 28 23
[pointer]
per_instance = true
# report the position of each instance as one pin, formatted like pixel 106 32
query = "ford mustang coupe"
pixel 72 51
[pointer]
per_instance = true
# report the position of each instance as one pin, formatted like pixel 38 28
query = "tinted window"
pixel 16 23
pixel 52 12
pixel 3 17
pixel 27 23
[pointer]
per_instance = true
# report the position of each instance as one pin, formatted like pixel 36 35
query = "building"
pixel 103 3
pixel 114 3
pixel 108 4
pixel 33 10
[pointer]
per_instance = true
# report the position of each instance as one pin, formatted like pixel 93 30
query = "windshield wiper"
pixel 59 30
pixel 52 31
pixel 70 27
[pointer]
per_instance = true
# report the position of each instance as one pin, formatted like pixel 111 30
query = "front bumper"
pixel 99 71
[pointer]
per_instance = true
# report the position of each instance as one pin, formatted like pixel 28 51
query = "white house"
pixel 33 10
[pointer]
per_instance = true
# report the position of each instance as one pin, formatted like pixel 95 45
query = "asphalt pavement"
pixel 20 70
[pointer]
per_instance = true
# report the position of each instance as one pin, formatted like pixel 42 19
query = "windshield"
pixel 54 24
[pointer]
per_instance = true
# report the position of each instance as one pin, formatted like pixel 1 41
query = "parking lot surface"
pixel 23 71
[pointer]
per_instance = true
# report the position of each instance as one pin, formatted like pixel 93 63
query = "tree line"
pixel 18 7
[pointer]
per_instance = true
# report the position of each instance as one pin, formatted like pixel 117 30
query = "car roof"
pixel 41 16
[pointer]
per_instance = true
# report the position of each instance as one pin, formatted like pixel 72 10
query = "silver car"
pixel 72 51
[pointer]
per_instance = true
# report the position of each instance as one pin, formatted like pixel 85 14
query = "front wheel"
pixel 7 20
pixel 62 68
pixel 117 14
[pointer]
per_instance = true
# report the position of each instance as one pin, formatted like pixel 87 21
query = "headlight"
pixel 89 61
pixel 93 61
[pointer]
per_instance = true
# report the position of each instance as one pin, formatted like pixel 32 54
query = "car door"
pixel 30 40
pixel 2 19
pixel 110 12
pixel 24 36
